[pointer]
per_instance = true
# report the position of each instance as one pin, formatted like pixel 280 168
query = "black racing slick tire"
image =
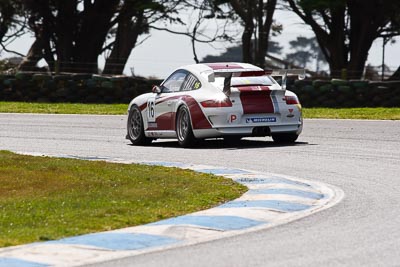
pixel 285 138
pixel 135 128
pixel 184 130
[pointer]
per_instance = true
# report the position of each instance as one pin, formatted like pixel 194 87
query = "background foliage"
pixel 85 88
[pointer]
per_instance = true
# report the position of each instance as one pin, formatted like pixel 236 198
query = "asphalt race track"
pixel 360 157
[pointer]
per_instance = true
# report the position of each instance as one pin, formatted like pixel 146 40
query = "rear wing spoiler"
pixel 301 74
pixel 229 73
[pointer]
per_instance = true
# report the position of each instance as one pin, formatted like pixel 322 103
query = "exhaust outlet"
pixel 261 131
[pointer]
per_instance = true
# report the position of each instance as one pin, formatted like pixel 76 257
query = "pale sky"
pixel 163 52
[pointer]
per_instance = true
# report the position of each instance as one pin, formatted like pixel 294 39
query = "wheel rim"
pixel 183 125
pixel 135 128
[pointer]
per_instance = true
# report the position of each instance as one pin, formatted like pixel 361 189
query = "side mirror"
pixel 156 89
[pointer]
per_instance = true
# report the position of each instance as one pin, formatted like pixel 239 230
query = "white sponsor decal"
pixel 256 120
pixel 152 125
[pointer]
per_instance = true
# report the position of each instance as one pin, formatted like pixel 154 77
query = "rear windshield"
pixel 243 81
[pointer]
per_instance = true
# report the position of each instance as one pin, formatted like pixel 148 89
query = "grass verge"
pixel 353 113
pixel 45 198
pixel 63 108
pixel 120 109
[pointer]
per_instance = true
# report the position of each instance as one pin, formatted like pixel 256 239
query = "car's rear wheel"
pixel 184 129
pixel 136 128
pixel 285 138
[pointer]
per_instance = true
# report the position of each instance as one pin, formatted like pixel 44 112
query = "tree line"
pixel 71 35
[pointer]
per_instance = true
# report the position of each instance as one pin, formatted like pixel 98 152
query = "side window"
pixel 191 83
pixel 174 82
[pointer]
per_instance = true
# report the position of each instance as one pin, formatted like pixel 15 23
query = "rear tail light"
pixel 217 103
pixel 291 100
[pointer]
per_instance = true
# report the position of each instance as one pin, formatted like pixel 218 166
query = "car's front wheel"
pixel 136 128
pixel 184 129
pixel 285 138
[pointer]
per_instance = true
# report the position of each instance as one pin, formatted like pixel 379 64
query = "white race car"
pixel 229 100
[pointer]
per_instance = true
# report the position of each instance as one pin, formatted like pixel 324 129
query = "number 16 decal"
pixel 151 113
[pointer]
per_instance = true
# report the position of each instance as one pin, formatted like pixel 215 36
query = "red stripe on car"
pixel 252 73
pixel 251 88
pixel 164 122
pixel 143 107
pixel 256 99
pixel 268 72
pixel 199 120
pixel 222 66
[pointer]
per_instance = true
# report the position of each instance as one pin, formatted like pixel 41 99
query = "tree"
pixel 7 14
pixel 306 49
pixel 203 12
pixel 134 19
pixel 139 17
pixel 12 23
pixel 234 54
pixel 70 35
pixel 395 75
pixel 257 19
pixel 346 29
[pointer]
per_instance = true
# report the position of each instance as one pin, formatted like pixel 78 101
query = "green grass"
pixel 63 108
pixel 120 109
pixel 353 113
pixel 45 198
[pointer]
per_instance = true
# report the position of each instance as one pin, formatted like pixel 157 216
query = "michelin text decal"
pixel 257 120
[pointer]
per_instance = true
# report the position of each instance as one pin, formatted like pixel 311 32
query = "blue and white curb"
pixel 271 200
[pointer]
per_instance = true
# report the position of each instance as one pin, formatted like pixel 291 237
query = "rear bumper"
pixel 254 130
